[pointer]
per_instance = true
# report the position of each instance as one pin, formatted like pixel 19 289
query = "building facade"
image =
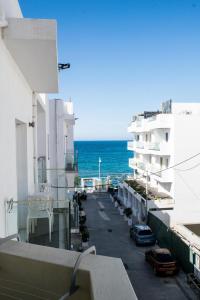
pixel 166 157
pixel 63 161
pixel 28 59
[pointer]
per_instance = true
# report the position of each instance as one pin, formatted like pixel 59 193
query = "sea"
pixel 114 158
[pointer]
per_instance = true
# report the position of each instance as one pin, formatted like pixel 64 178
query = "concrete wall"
pixel 21 143
pixel 16 106
pixel 168 238
pixel 186 176
pixel 11 8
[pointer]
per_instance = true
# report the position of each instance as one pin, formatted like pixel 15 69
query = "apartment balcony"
pixel 131 163
pixel 159 121
pixel 33 45
pixel 156 200
pixel 136 126
pixel 160 148
pixel 139 145
pixel 36 272
pixel 130 145
pixel 156 148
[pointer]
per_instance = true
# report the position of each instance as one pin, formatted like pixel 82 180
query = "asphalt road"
pixel 110 234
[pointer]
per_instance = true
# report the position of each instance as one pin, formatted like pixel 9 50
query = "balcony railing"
pixel 71 163
pixel 154 146
pixel 21 276
pixel 139 145
pixel 141 165
pixel 130 145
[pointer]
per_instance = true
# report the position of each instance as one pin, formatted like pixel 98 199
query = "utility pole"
pixel 99 167
pixel 146 186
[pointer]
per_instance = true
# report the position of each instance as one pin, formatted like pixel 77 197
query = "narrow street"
pixel 110 234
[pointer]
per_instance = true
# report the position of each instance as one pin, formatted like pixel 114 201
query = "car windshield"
pixel 164 257
pixel 145 232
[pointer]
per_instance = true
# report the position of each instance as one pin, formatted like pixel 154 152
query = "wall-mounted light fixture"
pixel 63 66
pixel 31 124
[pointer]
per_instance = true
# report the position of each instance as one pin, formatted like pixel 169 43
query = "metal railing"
pixel 73 286
pixel 139 145
pixel 154 146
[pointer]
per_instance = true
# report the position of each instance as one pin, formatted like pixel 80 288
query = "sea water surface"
pixel 114 158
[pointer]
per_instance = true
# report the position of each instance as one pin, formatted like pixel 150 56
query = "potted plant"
pixel 82 219
pixel 124 213
pixel 130 221
pixel 85 238
pixel 82 228
pixel 127 213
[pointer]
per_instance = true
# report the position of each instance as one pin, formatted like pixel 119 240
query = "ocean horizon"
pixel 113 153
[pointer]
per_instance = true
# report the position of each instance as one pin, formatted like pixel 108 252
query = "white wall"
pixel 61 142
pixel 187 187
pixel 16 104
pixel 11 8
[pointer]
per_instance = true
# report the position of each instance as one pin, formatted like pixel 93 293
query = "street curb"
pixel 187 291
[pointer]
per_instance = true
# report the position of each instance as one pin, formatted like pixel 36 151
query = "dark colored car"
pixel 142 235
pixel 162 261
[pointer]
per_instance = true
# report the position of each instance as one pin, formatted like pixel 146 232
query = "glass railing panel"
pixel 71 162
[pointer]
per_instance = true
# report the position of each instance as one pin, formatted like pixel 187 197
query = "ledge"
pixel 99 277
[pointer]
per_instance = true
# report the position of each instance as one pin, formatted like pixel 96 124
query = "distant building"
pixel 164 190
pixel 63 160
pixel 161 140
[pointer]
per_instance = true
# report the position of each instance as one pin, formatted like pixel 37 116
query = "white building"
pixel 28 60
pixel 28 67
pixel 63 164
pixel 161 140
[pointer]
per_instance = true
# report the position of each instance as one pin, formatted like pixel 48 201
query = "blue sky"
pixel 126 56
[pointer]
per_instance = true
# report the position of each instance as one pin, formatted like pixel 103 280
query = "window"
pixel 166 136
pixel 161 162
pixel 146 138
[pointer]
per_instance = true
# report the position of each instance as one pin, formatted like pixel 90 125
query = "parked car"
pixel 162 261
pixel 142 235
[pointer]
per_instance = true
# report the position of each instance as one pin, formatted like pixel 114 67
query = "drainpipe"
pixel 34 125
pixel 56 131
